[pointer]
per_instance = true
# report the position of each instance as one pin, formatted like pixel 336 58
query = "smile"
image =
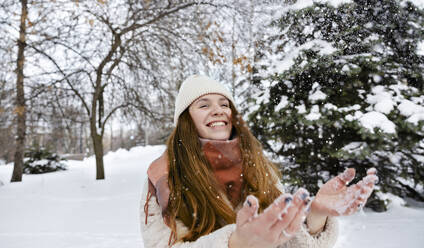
pixel 217 124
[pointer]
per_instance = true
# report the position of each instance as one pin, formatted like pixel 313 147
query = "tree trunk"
pixel 98 152
pixel 20 99
pixel 111 137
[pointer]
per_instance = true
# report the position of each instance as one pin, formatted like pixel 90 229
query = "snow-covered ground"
pixel 72 209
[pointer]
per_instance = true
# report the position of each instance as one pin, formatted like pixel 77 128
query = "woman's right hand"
pixel 278 223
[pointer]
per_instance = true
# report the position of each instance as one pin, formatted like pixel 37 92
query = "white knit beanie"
pixel 194 87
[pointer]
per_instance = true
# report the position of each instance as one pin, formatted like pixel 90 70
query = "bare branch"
pixel 110 115
pixel 77 93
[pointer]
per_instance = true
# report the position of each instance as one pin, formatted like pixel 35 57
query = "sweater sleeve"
pixel 156 233
pixel 324 239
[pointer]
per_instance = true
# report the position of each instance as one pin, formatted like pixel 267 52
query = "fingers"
pixel 363 190
pixel 370 180
pixel 356 206
pixel 347 176
pixel 296 222
pixel 295 213
pixel 249 210
pixel 268 226
pixel 274 212
pixel 339 182
pixel 367 185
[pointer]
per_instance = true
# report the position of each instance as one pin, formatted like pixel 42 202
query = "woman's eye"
pixel 203 106
pixel 225 105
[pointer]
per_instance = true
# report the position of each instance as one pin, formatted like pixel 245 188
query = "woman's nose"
pixel 217 110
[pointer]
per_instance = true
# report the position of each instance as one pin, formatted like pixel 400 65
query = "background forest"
pixel 324 85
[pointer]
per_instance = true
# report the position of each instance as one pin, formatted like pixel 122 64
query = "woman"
pixel 213 186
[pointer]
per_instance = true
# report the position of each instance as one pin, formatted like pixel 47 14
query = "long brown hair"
pixel 195 198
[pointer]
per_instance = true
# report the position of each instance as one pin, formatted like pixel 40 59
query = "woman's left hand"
pixel 334 198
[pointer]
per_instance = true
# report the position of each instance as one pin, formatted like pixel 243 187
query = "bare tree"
pixel 20 97
pixel 123 59
pixel 36 31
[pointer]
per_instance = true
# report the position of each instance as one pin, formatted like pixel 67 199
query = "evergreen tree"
pixel 343 87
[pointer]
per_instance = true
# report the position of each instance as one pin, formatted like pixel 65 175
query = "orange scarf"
pixel 226 163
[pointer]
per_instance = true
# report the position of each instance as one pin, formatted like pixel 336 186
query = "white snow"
pixel 330 106
pixel 418 3
pixel 316 94
pixel 71 209
pixel 283 103
pixel 415 118
pixel 412 110
pixel 314 114
pixel 384 106
pixel 275 145
pixel 355 147
pixel 345 68
pixel 382 99
pixel 288 83
pixel 309 29
pixel 369 25
pixel 291 51
pixel 301 109
pixel 420 48
pixel 350 108
pixel 393 229
pixel 306 3
pixel 262 97
pixel 357 115
pixel 408 108
pixel 41 162
pixel 375 119
pixel 376 78
pixel 336 3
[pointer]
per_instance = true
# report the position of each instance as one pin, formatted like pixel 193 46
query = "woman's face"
pixel 211 115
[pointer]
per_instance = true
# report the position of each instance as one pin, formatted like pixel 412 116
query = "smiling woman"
pixel 213 164
pixel 211 115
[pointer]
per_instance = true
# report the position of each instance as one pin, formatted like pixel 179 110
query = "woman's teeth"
pixel 220 123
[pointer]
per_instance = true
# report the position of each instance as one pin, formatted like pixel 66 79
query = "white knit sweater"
pixel 156 233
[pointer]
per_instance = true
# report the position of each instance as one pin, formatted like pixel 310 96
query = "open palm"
pixel 335 198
